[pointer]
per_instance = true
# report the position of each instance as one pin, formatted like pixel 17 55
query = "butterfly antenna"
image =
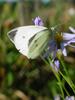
pixel 55 27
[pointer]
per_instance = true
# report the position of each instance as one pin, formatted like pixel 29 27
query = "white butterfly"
pixel 30 40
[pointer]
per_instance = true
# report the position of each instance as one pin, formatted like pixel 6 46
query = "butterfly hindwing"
pixel 38 44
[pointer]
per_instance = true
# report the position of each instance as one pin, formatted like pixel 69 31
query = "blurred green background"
pixel 23 79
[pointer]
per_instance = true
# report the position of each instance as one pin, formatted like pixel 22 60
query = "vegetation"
pixel 25 79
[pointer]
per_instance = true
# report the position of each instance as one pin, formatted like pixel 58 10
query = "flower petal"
pixel 69 98
pixel 54 52
pixel 55 65
pixel 56 62
pixel 69 42
pixel 72 29
pixel 38 21
pixel 64 52
pixel 52 45
pixel 63 49
pixel 51 50
pixel 68 36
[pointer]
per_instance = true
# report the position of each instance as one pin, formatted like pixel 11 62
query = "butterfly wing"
pixel 38 44
pixel 22 35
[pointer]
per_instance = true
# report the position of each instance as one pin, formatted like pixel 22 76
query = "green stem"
pixel 70 83
pixel 66 91
pixel 64 67
pixel 68 79
pixel 56 75
pixel 58 78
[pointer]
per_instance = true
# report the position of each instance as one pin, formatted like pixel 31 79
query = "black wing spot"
pixel 12 34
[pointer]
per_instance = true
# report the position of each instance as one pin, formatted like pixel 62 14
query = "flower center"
pixel 58 37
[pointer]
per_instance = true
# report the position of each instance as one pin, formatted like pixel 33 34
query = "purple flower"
pixel 59 41
pixel 69 98
pixel 55 65
pixel 56 62
pixel 38 21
